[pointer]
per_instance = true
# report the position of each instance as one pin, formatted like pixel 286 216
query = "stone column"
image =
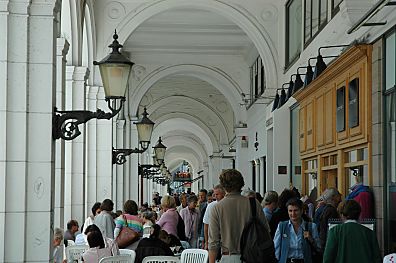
pixel 75 158
pixel 133 162
pixel 61 51
pixel 127 167
pixel 104 150
pixel 91 165
pixel 119 169
pixel 27 95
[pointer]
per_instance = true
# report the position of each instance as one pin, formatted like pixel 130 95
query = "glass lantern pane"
pixel 115 78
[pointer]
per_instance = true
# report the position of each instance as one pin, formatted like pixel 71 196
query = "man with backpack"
pixel 229 217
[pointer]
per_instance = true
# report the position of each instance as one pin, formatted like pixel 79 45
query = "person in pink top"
pixel 169 218
pixel 190 216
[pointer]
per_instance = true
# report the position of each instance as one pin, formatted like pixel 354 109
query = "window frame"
pixel 289 61
pixel 320 25
pixel 335 9
pixel 257 80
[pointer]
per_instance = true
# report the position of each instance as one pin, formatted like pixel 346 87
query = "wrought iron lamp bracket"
pixel 65 123
pixel 119 155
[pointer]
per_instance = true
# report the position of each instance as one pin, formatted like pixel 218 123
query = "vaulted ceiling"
pixel 194 37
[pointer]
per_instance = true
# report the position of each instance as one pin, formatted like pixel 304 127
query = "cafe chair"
pixel 129 252
pixel 194 255
pixel 117 259
pixel 74 253
pixel 161 259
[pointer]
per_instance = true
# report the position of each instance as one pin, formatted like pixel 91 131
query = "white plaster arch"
pixel 88 45
pixel 169 126
pixel 209 140
pixel 240 16
pixel 214 76
pixel 179 155
pixel 67 15
pixel 174 140
pixel 74 34
pixel 168 100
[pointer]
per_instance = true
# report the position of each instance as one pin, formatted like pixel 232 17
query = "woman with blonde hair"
pixel 169 218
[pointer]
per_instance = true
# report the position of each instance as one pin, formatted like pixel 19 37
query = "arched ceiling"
pixel 187 32
pixel 191 37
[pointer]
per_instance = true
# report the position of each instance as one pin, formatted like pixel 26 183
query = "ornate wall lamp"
pixel 145 129
pixel 115 69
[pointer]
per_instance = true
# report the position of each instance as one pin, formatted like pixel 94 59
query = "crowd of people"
pixel 214 220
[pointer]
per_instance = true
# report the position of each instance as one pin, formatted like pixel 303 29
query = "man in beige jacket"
pixel 232 213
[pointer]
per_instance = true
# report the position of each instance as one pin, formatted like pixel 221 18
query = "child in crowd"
pixel 148 220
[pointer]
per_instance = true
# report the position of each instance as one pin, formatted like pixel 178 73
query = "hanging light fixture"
pixel 290 87
pixel 144 128
pixel 320 64
pixel 309 74
pixel 114 69
pixel 283 98
pixel 319 67
pixel 276 101
pixel 298 83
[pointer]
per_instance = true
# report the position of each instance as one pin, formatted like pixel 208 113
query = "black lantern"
pixel 144 129
pixel 115 70
pixel 159 152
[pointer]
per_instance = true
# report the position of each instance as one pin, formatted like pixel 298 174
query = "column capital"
pixel 62 47
pixel 47 8
pixel 120 124
pixel 81 73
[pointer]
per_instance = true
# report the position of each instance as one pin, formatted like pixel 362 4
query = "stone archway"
pixel 217 78
pixel 239 16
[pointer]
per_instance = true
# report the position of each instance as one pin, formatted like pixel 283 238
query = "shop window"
pixel 356 155
pixel 293 30
pixel 356 166
pixel 353 103
pixel 357 174
pixel 311 174
pixel 315 18
pixel 335 7
pixel 340 110
pixel 329 160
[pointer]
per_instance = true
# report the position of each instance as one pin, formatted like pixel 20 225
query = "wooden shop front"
pixel 335 123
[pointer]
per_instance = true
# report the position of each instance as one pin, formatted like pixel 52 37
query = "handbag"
pixel 127 236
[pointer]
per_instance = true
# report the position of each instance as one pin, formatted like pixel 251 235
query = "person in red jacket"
pixel 363 195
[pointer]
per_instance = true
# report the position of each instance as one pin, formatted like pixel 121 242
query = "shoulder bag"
pixel 127 236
